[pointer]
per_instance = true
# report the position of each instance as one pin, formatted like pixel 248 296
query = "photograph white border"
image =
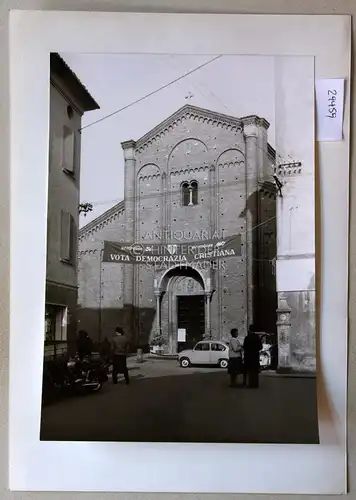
pixel 165 467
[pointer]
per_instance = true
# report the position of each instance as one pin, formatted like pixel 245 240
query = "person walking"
pixel 235 357
pixel 252 346
pixel 120 346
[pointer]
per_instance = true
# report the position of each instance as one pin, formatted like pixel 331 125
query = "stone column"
pixel 207 314
pixel 158 295
pixel 130 216
pixel 283 333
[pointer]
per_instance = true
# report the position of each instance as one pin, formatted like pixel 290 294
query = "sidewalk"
pixel 173 358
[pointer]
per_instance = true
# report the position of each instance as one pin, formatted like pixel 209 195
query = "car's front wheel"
pixel 184 362
pixel 223 363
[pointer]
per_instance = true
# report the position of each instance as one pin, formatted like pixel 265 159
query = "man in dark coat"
pixel 252 347
pixel 120 347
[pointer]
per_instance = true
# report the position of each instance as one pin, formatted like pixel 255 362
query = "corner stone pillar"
pixel 283 333
pixel 251 138
pixel 255 133
pixel 130 204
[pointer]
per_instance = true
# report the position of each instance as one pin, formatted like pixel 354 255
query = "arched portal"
pixel 183 302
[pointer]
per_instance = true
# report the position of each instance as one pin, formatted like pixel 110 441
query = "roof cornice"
pixel 98 223
pixel 64 76
pixel 188 111
pixel 271 153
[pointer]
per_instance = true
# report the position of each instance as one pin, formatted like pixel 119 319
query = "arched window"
pixel 194 191
pixel 185 194
pixel 189 193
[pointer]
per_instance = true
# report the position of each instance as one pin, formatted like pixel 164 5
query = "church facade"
pixel 197 176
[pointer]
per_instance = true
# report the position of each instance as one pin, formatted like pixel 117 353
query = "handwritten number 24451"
pixel 332 104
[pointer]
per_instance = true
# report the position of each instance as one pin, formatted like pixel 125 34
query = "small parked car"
pixel 205 352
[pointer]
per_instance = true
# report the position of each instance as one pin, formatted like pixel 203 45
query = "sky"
pixel 234 85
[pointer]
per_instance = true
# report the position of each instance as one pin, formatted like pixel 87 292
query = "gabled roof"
pixel 96 224
pixel 193 111
pixel 60 70
pixel 218 118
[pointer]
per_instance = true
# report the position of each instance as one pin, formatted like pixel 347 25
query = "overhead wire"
pixel 160 194
pixel 140 99
pixel 173 192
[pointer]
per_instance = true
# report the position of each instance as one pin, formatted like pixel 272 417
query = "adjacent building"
pixel 69 99
pixel 295 169
pixel 197 175
pixel 295 268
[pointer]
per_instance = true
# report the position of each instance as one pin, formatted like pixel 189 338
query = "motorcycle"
pixel 88 374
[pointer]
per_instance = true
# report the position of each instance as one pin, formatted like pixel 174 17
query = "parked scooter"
pixel 88 374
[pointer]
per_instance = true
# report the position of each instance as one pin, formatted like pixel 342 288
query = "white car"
pixel 205 352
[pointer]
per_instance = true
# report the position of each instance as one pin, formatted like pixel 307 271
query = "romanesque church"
pixel 198 174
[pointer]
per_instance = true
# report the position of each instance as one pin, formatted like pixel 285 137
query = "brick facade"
pixel 232 163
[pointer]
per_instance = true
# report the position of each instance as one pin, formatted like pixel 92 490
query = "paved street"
pixel 167 403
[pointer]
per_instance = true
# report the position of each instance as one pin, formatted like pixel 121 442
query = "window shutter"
pixel 68 149
pixel 73 240
pixel 65 235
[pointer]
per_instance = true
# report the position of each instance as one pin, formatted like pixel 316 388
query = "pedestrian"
pixel 84 344
pixel 119 346
pixel 235 357
pixel 252 347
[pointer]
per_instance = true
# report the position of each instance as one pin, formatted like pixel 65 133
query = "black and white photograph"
pixel 180 278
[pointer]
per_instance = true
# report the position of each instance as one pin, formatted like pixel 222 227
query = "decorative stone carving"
pixel 255 120
pixel 190 285
pixel 188 170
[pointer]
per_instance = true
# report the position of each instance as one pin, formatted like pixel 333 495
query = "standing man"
pixel 235 357
pixel 252 347
pixel 120 347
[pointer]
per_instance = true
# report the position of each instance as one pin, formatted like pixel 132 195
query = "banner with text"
pixel 180 253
